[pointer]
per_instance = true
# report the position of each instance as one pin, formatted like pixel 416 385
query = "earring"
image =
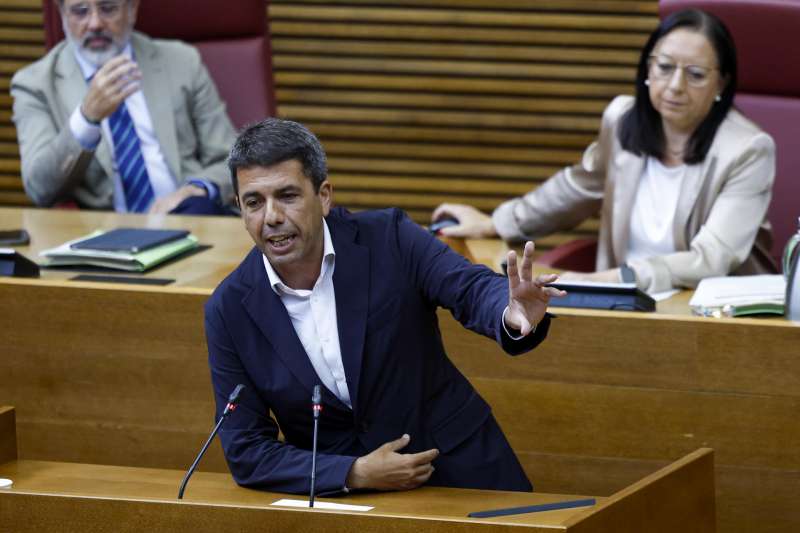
pixel 717 98
pixel 647 82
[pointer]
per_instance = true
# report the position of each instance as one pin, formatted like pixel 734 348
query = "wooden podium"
pixel 87 498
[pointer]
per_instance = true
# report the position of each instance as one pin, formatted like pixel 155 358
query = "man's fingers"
pixel 554 293
pixel 544 279
pixel 511 269
pixel 527 261
pixel 422 458
pixel 112 63
pixel 397 444
pixel 423 476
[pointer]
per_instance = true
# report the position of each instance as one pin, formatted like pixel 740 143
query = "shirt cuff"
pixel 86 133
pixel 514 336
pixel 212 190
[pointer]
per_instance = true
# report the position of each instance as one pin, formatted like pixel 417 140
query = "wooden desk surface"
pixel 51 227
pixel 230 243
pixel 115 482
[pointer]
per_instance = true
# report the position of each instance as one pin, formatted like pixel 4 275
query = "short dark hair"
pixel 273 141
pixel 641 131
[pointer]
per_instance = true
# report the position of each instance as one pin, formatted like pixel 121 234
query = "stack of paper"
pixel 67 255
pixel 739 295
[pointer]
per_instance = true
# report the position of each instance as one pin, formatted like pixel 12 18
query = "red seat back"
pixel 233 39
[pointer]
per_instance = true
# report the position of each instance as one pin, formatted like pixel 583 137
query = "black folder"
pixel 614 296
pixel 130 240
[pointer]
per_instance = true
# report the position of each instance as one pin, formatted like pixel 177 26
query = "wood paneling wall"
pixel 21 42
pixel 421 101
pixel 424 101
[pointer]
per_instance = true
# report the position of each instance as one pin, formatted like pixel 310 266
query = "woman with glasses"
pixel 682 179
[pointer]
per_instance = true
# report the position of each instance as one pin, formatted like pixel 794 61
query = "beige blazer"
pixel 720 224
pixel 190 122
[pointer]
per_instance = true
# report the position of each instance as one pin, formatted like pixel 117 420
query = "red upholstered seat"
pixel 233 39
pixel 767 37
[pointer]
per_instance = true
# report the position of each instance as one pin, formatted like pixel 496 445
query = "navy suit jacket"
pixel 389 278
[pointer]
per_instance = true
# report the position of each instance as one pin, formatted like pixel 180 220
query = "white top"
pixel 313 315
pixel 88 135
pixel 653 214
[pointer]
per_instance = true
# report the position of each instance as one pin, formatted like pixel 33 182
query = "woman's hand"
pixel 471 222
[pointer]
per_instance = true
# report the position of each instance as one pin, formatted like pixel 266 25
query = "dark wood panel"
pixel 644 423
pixel 748 499
pixel 643 350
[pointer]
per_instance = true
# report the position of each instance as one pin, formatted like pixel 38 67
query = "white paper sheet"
pixel 330 506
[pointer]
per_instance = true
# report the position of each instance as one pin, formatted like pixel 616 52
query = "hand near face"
pixel 111 85
pixel 527 297
pixel 386 469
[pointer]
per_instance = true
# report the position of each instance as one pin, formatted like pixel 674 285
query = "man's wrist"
pixel 210 189
pixel 90 120
pixel 86 133
pixel 513 333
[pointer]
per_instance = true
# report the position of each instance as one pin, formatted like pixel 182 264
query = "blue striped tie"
pixel 130 162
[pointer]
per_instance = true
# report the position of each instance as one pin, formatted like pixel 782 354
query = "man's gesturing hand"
pixel 111 84
pixel 385 469
pixel 527 297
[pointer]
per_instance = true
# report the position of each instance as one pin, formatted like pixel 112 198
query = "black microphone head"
pixel 235 394
pixel 316 397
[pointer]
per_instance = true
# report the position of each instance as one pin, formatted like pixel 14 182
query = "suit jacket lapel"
pixel 71 87
pixel 269 314
pixel 155 75
pixel 351 286
pixel 695 179
pixel 628 168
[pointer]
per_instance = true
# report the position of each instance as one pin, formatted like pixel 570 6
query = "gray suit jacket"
pixel 720 224
pixel 189 119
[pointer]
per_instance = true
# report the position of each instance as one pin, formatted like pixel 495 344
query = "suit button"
pixel 363 426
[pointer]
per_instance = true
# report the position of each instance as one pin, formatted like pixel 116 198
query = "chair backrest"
pixel 233 39
pixel 767 36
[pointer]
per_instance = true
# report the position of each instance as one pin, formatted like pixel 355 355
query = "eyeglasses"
pixel 107 10
pixel 663 68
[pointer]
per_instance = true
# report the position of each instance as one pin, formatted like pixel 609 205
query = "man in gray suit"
pixel 110 118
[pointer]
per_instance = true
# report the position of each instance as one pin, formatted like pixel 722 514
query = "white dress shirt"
pixel 651 232
pixel 88 135
pixel 313 315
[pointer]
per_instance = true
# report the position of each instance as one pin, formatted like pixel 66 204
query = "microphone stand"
pixel 232 403
pixel 316 399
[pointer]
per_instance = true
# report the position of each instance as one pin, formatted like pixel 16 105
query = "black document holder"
pixel 13 263
pixel 130 240
pixel 616 298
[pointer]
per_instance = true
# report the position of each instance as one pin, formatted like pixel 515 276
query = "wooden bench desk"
pixel 119 373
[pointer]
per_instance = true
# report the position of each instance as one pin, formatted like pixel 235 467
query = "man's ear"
pixel 325 197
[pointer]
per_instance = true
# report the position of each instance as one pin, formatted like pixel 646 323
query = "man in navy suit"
pixel 348 301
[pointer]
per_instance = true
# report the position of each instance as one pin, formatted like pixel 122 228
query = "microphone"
pixel 233 401
pixel 316 399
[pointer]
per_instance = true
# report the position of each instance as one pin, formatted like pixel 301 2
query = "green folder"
pixel 65 255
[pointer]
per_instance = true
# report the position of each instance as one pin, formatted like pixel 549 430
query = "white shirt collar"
pixel 328 258
pixel 89 69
